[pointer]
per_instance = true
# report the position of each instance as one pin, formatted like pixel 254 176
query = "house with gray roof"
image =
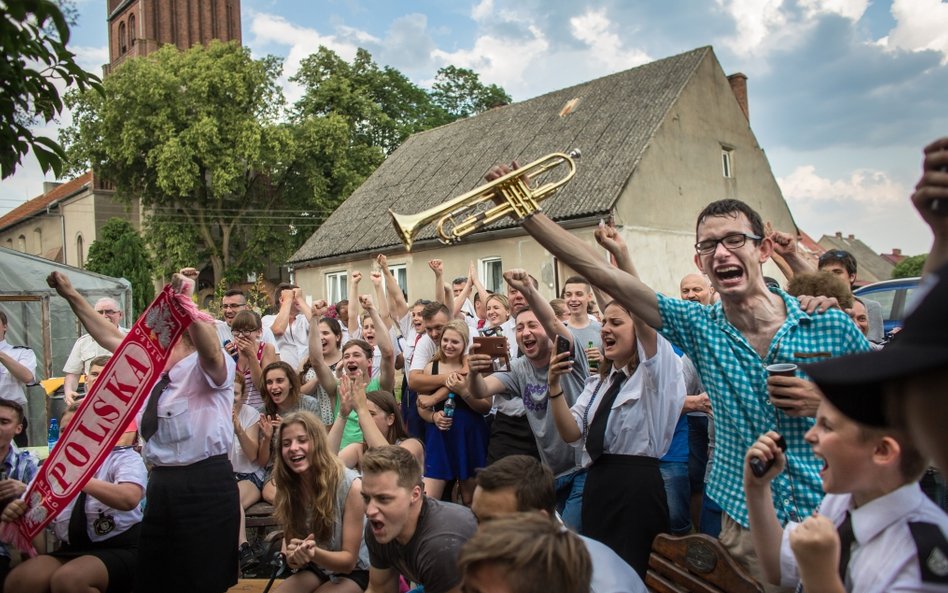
pixel 870 266
pixel 658 143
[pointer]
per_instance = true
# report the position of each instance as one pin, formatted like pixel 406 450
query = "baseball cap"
pixel 855 383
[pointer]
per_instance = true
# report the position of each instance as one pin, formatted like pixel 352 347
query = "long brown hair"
pixel 293 398
pixel 306 503
pixel 386 403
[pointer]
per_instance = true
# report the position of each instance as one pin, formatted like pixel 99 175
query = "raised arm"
pixel 437 266
pixel 376 278
pixel 352 324
pixel 785 248
pixel 520 280
pixel 281 320
pixel 637 297
pixel 398 307
pixel 323 373
pixel 461 298
pixel 608 236
pixel 932 190
pixel 102 331
pixel 384 341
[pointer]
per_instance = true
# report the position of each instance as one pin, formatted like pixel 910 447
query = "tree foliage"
pixel 119 251
pixel 909 267
pixel 225 173
pixel 33 59
pixel 460 92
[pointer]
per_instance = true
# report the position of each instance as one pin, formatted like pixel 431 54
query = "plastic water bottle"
pixel 53 435
pixel 449 406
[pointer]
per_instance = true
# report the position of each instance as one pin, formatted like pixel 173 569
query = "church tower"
pixel 139 27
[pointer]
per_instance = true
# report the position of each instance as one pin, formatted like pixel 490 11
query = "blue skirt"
pixel 458 452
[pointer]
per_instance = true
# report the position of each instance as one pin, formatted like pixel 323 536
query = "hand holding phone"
pixel 563 345
pixel 760 466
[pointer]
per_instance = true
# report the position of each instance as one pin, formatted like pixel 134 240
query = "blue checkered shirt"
pixel 19 465
pixel 733 374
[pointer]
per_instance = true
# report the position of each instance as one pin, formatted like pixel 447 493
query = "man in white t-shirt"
pixel 85 349
pixel 290 326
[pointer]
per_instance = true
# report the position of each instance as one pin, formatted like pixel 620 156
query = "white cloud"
pixel 850 9
pixel 91 59
pixel 920 25
pixel 490 57
pixel 482 10
pixel 756 21
pixel 268 29
pixel 865 186
pixel 596 30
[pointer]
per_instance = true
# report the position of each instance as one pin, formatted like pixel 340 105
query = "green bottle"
pixel 593 364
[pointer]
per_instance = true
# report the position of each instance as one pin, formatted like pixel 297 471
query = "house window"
pixel 131 30
pixel 21 243
pixel 80 252
pixel 38 241
pixel 727 162
pixel 123 42
pixel 492 274
pixel 400 271
pixel 336 288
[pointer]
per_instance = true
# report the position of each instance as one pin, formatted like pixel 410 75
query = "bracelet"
pixel 552 396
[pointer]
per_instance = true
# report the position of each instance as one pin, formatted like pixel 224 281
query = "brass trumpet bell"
pixel 510 195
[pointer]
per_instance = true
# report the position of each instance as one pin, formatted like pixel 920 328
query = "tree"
pixel 33 59
pixel 197 136
pixel 461 93
pixel 909 267
pixel 119 251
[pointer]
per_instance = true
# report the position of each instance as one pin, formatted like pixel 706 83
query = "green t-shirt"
pixel 352 433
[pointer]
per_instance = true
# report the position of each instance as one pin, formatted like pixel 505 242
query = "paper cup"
pixel 784 369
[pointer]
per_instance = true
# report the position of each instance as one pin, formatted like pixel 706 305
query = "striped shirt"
pixel 734 375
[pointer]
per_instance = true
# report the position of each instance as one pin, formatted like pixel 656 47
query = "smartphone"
pixel 497 348
pixel 562 345
pixel 759 466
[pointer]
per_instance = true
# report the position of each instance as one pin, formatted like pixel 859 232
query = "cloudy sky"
pixel 843 93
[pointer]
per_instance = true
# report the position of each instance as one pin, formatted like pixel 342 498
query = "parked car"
pixel 893 295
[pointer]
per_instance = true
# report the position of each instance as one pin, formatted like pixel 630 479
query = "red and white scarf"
pixel 120 391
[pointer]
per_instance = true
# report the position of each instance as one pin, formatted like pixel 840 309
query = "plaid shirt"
pixel 22 466
pixel 733 374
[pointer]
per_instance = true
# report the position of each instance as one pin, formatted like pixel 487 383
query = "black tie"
pixel 595 439
pixel 846 540
pixel 150 418
pixel 78 531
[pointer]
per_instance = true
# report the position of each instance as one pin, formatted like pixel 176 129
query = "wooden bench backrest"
pixel 695 564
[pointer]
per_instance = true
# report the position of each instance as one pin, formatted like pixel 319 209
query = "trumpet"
pixel 510 195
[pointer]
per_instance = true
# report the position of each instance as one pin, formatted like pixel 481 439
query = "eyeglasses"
pixel 107 312
pixel 730 242
pixel 242 333
pixel 233 306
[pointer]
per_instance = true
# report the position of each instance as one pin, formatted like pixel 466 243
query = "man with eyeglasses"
pixel 843 264
pixel 233 302
pixel 731 343
pixel 85 349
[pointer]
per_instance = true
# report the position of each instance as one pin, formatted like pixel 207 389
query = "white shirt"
pixel 194 416
pixel 83 352
pixel 643 417
pixel 293 345
pixel 10 387
pixel 248 417
pixel 610 573
pixel 123 465
pixel 885 557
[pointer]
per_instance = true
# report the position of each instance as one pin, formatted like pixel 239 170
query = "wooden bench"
pixel 260 520
pixel 695 564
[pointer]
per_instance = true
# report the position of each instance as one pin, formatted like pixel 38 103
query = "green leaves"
pixel 33 59
pixel 119 251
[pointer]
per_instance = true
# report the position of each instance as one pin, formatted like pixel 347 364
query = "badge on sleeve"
pixel 932 550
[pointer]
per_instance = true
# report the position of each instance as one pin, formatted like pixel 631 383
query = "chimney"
pixel 896 252
pixel 738 82
pixel 839 234
pixel 49 186
pixel 851 237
